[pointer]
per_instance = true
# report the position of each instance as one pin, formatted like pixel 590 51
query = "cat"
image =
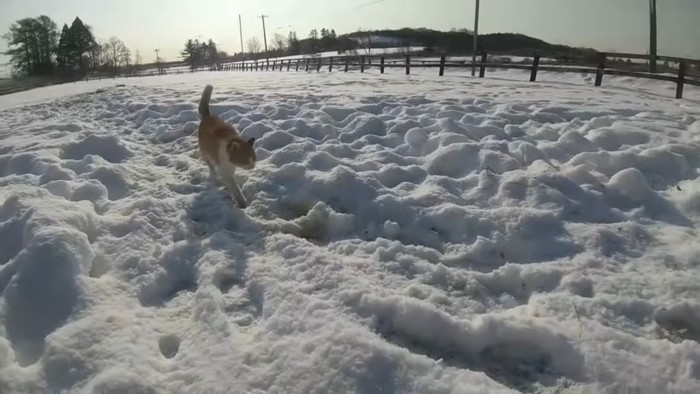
pixel 223 149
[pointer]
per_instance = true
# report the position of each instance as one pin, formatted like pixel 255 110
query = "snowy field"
pixel 404 234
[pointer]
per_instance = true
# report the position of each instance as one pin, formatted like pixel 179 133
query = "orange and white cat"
pixel 223 149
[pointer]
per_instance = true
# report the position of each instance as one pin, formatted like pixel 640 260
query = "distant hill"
pixel 460 41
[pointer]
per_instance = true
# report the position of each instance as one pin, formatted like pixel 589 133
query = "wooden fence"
pixel 344 63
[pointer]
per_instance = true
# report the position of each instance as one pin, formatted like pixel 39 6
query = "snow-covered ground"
pixel 404 234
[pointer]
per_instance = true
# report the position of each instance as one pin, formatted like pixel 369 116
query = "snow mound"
pixel 41 282
pixel 107 147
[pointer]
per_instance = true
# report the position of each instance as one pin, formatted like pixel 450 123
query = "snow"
pixel 403 234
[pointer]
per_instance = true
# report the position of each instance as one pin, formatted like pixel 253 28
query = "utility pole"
pixel 476 36
pixel 652 36
pixel 157 60
pixel 240 27
pixel 264 33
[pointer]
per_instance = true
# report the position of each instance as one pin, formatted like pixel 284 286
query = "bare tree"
pixel 254 45
pixel 100 53
pixel 138 58
pixel 365 39
pixel 279 42
pixel 117 54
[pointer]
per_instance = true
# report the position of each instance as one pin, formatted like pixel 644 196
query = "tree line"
pixel 317 41
pixel 36 48
pixel 197 54
pixel 454 41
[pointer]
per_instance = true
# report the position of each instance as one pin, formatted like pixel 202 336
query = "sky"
pixel 144 25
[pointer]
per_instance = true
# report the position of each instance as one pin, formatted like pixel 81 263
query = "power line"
pixel 369 4
pixel 157 60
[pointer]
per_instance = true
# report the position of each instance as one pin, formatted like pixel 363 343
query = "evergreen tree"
pixel 194 53
pixel 313 41
pixel 62 50
pixel 80 43
pixel 212 54
pixel 293 43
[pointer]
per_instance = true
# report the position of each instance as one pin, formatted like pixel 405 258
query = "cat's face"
pixel 241 153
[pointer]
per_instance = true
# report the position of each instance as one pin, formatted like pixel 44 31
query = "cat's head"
pixel 242 153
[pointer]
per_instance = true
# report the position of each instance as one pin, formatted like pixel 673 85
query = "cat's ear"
pixel 251 141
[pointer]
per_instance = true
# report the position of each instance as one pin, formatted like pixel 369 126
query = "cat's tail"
pixel 204 102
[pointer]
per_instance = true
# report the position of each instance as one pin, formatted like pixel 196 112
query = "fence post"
pixel 307 64
pixel 330 65
pixel 289 64
pixel 408 64
pixel 442 64
pixel 535 65
pixel 347 63
pixel 381 65
pixel 601 70
pixel 297 69
pixel 318 66
pixel 362 64
pixel 681 80
pixel 482 68
pixel 267 64
pixel 274 65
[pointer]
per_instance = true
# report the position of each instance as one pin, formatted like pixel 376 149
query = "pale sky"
pixel 610 25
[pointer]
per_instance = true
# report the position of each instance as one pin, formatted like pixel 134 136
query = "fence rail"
pixel 344 63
